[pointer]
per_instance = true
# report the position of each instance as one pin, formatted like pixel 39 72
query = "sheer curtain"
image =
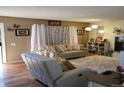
pixel 73 39
pixel 38 39
pixel 52 35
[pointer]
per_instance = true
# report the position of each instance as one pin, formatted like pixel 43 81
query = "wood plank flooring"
pixel 16 75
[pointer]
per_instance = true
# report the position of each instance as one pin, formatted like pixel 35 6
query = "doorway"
pixel 1 58
pixel 2 44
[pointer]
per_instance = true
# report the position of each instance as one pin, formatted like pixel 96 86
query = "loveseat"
pixel 50 73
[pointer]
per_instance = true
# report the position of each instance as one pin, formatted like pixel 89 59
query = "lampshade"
pixel 94 26
pixel 88 29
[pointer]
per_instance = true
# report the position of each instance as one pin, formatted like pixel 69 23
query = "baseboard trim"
pixel 16 61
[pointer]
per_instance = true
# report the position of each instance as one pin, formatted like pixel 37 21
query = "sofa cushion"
pixel 76 47
pixel 72 54
pixel 69 47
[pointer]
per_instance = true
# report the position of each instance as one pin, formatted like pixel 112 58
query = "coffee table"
pixel 100 80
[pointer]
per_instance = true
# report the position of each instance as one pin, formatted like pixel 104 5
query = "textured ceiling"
pixel 69 13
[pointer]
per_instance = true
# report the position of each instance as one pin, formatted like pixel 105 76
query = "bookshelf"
pixel 98 48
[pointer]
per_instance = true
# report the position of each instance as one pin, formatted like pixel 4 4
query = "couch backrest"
pixel 42 68
pixel 54 69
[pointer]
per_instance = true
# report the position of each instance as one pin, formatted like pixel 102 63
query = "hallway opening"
pixel 1 58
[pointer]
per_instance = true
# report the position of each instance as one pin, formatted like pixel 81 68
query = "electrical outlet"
pixel 13 44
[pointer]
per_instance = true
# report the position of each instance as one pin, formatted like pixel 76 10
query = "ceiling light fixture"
pixel 88 29
pixel 94 26
pixel 91 27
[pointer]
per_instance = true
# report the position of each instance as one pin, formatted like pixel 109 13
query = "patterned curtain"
pixel 57 35
pixel 52 35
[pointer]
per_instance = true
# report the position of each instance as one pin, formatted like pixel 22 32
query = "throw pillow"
pixel 59 49
pixel 63 47
pixel 65 64
pixel 52 48
pixel 68 65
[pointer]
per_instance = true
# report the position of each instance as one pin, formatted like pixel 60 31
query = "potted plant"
pixel 118 31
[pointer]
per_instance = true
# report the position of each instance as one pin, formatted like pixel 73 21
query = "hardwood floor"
pixel 16 75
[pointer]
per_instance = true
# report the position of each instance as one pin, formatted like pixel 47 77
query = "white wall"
pixel 108 30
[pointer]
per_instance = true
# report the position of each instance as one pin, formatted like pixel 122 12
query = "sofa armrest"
pixel 74 78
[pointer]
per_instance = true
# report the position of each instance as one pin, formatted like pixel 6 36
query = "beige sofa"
pixel 68 51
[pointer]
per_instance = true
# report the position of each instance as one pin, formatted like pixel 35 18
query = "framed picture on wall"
pixel 22 32
pixel 54 23
pixel 80 32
